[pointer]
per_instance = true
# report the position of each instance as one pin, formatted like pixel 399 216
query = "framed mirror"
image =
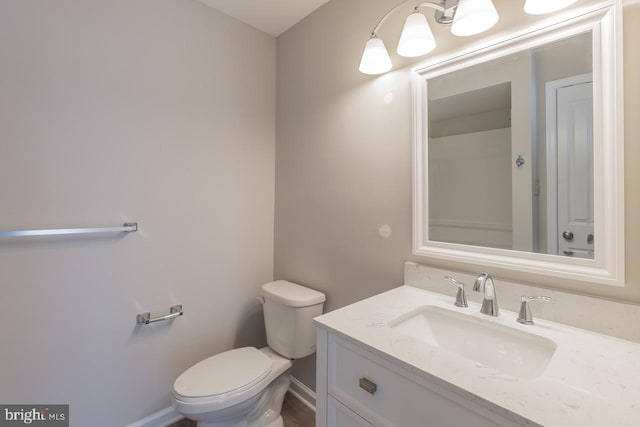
pixel 518 152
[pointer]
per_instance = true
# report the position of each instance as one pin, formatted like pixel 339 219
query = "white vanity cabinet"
pixel 356 388
pixel 373 372
pixel 340 415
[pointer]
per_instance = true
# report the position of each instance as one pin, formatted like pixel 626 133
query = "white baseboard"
pixel 168 416
pixel 162 418
pixel 303 393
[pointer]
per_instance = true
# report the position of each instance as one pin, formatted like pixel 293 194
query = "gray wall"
pixel 156 111
pixel 343 157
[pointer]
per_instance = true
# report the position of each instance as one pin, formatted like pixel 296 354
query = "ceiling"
pixel 271 16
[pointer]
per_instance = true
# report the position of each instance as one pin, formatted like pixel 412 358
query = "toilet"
pixel 245 387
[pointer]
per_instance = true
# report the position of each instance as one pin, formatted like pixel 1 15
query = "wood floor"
pixel 297 414
pixel 294 413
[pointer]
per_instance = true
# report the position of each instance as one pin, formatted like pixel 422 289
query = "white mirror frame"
pixel 605 21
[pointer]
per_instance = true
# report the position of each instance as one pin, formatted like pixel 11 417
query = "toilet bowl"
pixel 245 387
pixel 236 388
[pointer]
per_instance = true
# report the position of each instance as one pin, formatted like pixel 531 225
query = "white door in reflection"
pixel 571 179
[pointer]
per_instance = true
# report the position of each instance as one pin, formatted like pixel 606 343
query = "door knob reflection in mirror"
pixel 568 235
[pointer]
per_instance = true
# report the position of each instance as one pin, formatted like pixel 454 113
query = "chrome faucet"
pixel 461 296
pixel 525 317
pixel 484 283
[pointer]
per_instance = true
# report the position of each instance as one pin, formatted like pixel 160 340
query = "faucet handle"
pixel 525 317
pixel 461 296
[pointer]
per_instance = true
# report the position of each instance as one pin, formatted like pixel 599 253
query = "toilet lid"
pixel 223 373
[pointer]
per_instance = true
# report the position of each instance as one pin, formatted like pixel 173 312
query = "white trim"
pixel 551 107
pixel 163 418
pixel 472 225
pixel 322 368
pixel 607 267
pixel 303 393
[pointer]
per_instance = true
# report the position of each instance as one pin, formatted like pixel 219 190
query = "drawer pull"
pixel 368 385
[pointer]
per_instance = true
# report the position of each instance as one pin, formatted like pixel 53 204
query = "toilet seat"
pixel 225 374
pixel 243 397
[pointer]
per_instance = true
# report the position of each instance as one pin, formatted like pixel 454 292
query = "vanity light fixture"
pixel 416 38
pixel 466 17
pixel 375 58
pixel 473 17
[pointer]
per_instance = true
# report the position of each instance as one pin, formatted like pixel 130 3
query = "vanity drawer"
pixel 386 396
pixel 339 415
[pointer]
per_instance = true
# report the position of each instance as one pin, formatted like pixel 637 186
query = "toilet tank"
pixel 288 312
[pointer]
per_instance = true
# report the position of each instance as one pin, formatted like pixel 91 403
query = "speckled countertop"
pixel 592 379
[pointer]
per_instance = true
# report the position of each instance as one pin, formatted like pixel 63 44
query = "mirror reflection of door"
pixel 570 180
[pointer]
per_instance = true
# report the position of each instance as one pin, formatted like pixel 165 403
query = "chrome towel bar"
pixel 126 228
pixel 174 311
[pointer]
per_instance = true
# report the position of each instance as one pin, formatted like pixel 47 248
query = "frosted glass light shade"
pixel 416 38
pixel 473 17
pixel 375 58
pixel 540 7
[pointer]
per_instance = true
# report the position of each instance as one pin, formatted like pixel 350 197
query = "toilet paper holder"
pixel 174 311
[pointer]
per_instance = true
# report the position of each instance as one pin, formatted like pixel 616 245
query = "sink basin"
pixel 509 350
